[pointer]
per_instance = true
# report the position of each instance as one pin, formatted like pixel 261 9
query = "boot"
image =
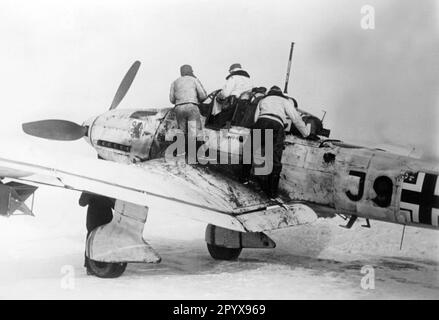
pixel 245 173
pixel 272 186
pixel 266 185
pixel 275 186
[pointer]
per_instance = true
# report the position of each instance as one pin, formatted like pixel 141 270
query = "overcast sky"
pixel 65 59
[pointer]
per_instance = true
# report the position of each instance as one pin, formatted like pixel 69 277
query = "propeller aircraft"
pixel 321 177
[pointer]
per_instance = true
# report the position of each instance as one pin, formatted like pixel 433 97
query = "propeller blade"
pixel 55 130
pixel 125 85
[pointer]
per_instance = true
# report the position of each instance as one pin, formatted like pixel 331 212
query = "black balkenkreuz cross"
pixel 426 199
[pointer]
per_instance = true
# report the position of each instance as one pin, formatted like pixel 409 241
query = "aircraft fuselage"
pixel 330 176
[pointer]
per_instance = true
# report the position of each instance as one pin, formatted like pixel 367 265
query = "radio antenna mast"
pixel 287 79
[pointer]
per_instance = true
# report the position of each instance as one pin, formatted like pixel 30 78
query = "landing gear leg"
pixel 111 246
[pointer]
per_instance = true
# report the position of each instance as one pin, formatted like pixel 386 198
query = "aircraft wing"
pixel 192 191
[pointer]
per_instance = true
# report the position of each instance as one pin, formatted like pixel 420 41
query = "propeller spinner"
pixel 63 130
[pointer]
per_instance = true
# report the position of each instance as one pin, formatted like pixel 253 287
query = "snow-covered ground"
pixel 42 258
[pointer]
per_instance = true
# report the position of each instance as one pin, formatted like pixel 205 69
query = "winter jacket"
pixel 187 89
pixel 237 83
pixel 279 108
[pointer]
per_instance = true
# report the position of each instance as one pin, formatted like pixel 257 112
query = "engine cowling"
pixel 124 135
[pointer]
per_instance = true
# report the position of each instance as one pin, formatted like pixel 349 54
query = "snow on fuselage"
pixel 330 176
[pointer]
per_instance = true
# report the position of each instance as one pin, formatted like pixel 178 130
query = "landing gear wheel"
pixel 105 269
pixel 222 253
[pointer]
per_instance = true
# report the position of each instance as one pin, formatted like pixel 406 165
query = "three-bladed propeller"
pixel 66 130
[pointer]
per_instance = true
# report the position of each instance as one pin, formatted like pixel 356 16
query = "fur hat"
pixel 275 90
pixel 262 90
pixel 234 67
pixel 186 70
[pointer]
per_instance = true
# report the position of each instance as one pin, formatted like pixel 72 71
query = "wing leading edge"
pixel 177 188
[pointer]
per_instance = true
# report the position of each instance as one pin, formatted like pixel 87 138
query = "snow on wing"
pixel 192 191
